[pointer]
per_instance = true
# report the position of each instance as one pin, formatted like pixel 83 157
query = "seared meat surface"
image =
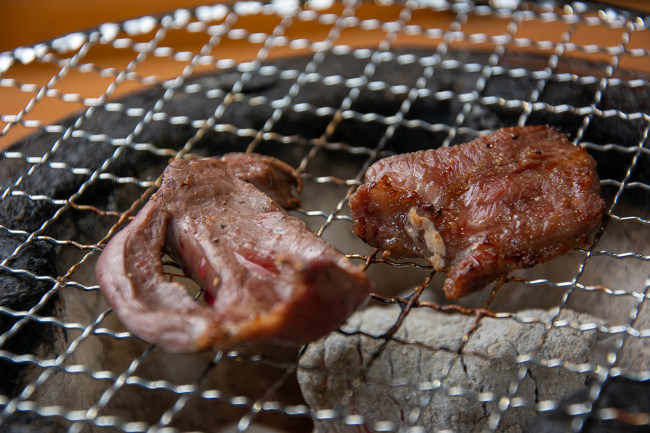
pixel 268 174
pixel 505 201
pixel 266 275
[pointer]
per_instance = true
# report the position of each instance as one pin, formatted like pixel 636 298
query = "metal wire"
pixel 220 23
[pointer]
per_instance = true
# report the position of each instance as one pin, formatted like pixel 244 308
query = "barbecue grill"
pixel 90 119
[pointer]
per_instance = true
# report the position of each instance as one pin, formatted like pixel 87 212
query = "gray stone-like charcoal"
pixel 419 380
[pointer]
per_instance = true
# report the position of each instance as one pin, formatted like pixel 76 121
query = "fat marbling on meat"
pixel 505 201
pixel 267 276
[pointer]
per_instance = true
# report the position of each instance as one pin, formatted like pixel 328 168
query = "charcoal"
pixel 400 379
pixel 20 290
pixel 30 423
pixel 628 395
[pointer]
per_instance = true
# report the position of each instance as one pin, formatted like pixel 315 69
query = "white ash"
pixel 409 384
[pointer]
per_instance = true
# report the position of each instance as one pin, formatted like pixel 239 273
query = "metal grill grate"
pixel 196 76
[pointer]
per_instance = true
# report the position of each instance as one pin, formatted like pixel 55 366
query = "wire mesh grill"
pixel 69 364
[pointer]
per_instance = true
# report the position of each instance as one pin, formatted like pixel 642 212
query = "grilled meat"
pixel 268 174
pixel 268 277
pixel 509 200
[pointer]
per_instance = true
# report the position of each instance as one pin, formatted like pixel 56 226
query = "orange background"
pixel 31 21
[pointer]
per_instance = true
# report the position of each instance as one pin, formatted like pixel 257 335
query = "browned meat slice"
pixel 505 201
pixel 269 174
pixel 268 277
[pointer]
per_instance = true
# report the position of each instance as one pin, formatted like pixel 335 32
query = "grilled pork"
pixel 267 277
pixel 505 201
